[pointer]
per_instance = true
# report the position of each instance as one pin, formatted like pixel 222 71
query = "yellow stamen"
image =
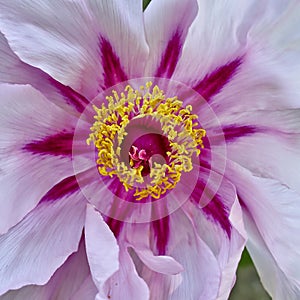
pixel 177 124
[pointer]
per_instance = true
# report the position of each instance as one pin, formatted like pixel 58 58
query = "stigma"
pixel 146 139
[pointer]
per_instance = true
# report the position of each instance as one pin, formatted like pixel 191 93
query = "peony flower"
pixel 141 151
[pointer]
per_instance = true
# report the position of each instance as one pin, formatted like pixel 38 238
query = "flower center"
pixel 145 139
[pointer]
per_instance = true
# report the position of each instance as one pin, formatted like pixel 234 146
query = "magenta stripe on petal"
pixel 214 82
pixel 115 226
pixel 113 71
pixel 71 97
pixel 58 144
pixel 170 57
pixel 66 187
pixel 215 209
pixel 41 81
pixel 161 231
pixel 232 133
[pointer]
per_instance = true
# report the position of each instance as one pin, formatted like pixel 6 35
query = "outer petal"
pixel 63 37
pixel 62 285
pixel 244 55
pixel 194 250
pixel 219 223
pixel 166 33
pixel 112 279
pixel 31 251
pixel 126 283
pixel 102 248
pixel 272 217
pixel 26 118
pixel 272 150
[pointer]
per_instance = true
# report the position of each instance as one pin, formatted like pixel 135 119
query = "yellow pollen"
pixel 177 123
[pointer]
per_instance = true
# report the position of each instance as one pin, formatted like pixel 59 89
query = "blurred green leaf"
pixel 145 3
pixel 245 260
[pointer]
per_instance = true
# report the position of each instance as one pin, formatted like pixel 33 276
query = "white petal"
pixel 58 38
pixel 63 283
pixel 101 246
pixel 270 154
pixel 27 117
pixel 268 73
pixel 278 285
pixel 32 250
pixel 62 38
pixel 160 263
pixel 272 212
pixel 126 283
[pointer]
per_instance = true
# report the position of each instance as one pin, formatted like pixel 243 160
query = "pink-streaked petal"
pixel 113 70
pixel 122 24
pixel 57 144
pixel 226 249
pixel 64 39
pixel 63 284
pixel 220 226
pixel 101 246
pixel 136 235
pixel 245 44
pixel 17 72
pixel 25 117
pixel 210 193
pixel 216 215
pixel 268 138
pixel 126 283
pixel 272 214
pixel 212 42
pixel 264 82
pixel 233 132
pixel 166 34
pixel 161 231
pixel 197 260
pixel 68 186
pixel 269 77
pixel 32 250
pixel 216 80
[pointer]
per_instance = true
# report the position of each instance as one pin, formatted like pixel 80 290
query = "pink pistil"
pixel 138 156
